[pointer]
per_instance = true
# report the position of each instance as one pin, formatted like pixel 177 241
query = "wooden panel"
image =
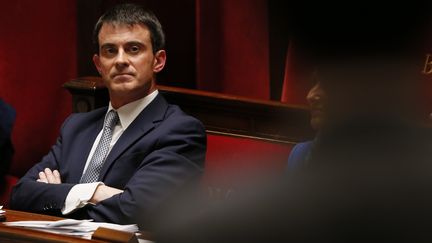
pixel 227 114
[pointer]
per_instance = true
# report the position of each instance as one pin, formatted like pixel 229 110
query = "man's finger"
pixel 42 177
pixel 49 176
pixel 57 177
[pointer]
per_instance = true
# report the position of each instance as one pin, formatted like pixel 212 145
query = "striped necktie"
pixel 101 152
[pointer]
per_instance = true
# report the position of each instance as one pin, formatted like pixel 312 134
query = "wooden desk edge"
pixel 28 235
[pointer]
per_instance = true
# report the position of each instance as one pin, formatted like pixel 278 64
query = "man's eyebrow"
pixel 135 43
pixel 107 45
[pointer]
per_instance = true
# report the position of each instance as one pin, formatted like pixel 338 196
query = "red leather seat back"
pixel 230 157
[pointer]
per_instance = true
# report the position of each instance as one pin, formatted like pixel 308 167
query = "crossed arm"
pixel 102 191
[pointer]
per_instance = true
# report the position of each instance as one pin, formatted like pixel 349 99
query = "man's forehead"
pixel 121 31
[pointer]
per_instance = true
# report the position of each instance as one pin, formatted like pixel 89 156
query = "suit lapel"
pixel 143 124
pixel 85 143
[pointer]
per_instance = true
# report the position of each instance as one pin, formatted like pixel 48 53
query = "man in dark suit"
pixel 118 163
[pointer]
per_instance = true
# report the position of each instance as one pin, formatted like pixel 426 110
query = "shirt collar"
pixel 129 112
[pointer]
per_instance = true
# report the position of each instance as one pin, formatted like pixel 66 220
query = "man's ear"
pixel 97 63
pixel 159 61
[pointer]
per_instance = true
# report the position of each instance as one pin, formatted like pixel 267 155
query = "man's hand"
pixel 50 177
pixel 104 192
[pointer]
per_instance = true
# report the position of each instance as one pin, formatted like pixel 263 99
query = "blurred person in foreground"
pixel 368 180
pixel 118 163
pixel 370 177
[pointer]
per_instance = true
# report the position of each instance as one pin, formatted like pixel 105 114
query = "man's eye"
pixel 134 49
pixel 110 51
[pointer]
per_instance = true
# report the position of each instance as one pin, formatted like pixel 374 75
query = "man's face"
pixel 126 61
pixel 316 100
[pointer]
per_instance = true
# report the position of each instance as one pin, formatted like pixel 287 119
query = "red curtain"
pixel 297 77
pixel 233 47
pixel 37 55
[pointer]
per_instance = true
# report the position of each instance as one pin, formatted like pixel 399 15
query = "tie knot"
pixel 111 119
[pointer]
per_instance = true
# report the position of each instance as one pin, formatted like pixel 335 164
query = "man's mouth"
pixel 122 74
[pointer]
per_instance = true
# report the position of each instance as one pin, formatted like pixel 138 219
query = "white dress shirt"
pixel 80 194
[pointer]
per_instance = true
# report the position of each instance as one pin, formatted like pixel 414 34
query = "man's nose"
pixel 314 95
pixel 121 60
pixel 311 97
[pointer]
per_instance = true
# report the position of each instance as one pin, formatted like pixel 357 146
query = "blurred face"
pixel 316 99
pixel 126 62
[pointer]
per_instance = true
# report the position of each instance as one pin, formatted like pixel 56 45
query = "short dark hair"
pixel 131 14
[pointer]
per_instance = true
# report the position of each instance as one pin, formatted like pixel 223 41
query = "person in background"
pixel 7 119
pixel 118 163
pixel 300 153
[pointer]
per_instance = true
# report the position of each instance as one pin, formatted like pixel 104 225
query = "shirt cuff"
pixel 79 196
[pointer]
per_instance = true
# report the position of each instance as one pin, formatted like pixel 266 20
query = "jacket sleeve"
pixel 30 195
pixel 178 158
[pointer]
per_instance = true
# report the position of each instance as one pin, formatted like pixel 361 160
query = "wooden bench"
pixel 221 114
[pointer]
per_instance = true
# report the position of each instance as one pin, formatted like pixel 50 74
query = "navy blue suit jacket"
pixel 299 156
pixel 160 151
